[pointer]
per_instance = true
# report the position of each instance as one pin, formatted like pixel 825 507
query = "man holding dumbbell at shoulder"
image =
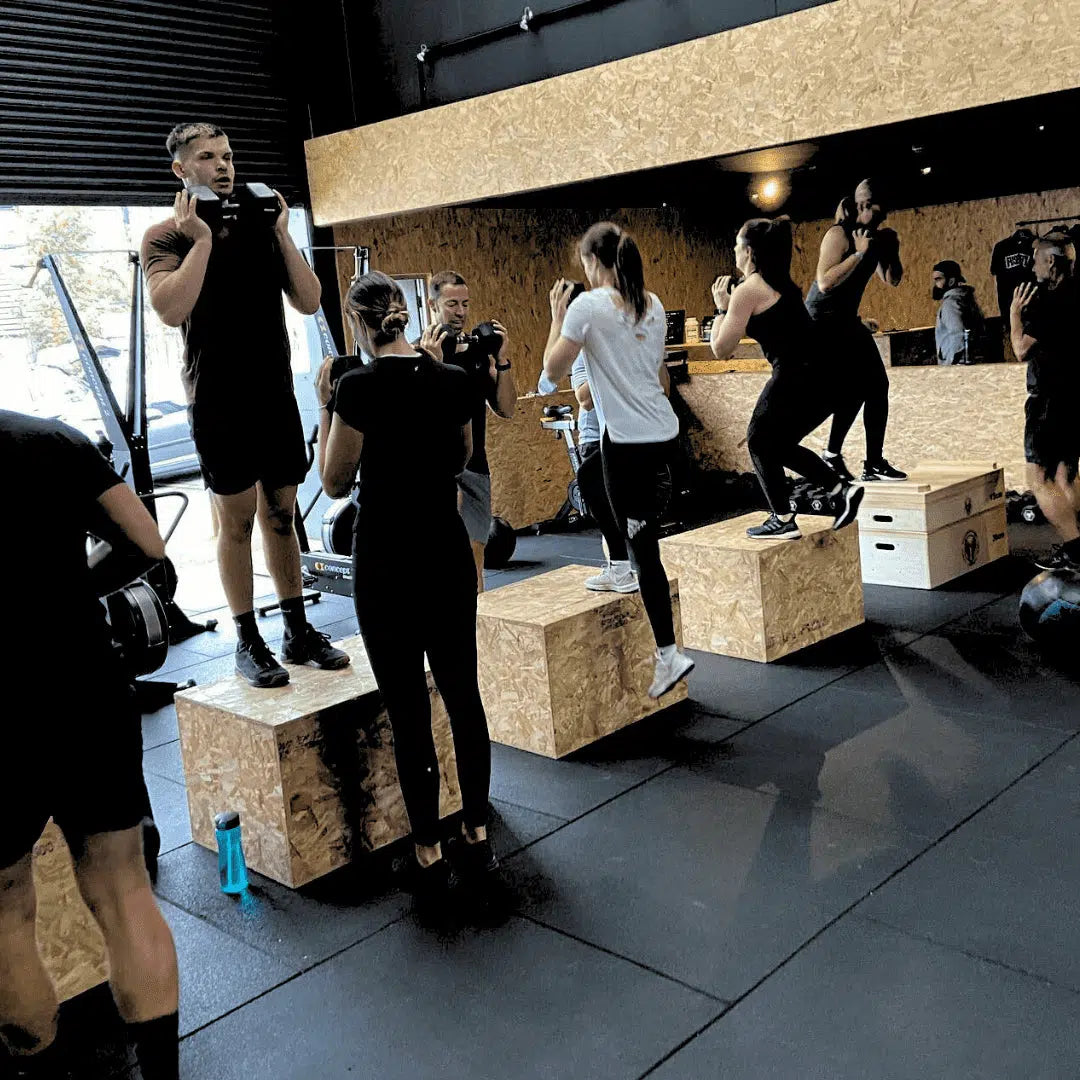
pixel 483 357
pixel 222 285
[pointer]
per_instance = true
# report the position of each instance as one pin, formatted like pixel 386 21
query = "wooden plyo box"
pixel 946 519
pixel 68 938
pixel 561 667
pixel 762 599
pixel 309 766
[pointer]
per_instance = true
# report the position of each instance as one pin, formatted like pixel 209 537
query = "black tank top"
pixel 843 301
pixel 786 333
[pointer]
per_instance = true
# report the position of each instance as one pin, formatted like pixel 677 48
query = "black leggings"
pixel 590 476
pixel 789 408
pixel 638 481
pixel 864 385
pixel 401 621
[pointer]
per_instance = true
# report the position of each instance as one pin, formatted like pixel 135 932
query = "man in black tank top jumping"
pixel 852 251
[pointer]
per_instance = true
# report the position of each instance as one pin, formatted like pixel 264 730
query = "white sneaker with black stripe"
pixel 615 577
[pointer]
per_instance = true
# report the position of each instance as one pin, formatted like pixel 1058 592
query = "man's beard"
pixel 939 292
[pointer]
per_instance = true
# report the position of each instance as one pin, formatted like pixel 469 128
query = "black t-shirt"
pixel 54 478
pixel 1052 319
pixel 411 411
pixel 477 366
pixel 236 346
pixel 1011 266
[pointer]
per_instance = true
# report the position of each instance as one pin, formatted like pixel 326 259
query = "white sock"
pixel 668 651
pixel 621 567
pixel 828 454
pixel 785 518
pixel 836 490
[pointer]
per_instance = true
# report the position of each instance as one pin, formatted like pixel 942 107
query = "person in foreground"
pixel 78 760
pixel 405 421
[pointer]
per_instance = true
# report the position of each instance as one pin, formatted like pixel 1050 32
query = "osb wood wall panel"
pixel 839 67
pixel 966 232
pixel 511 258
pixel 936 414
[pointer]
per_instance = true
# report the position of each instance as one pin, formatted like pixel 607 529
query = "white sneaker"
pixel 613 579
pixel 669 672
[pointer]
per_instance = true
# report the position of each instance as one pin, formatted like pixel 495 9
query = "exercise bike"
pixel 572 514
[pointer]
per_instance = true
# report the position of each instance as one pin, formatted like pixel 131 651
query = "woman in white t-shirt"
pixel 621 329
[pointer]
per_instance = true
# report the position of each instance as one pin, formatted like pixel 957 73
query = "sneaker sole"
pixel 674 682
pixel 298 662
pixel 851 509
pixel 786 536
pixel 614 588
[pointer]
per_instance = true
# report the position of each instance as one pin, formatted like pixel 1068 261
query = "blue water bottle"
pixel 231 866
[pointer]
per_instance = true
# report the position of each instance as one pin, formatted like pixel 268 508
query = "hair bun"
pixel 395 320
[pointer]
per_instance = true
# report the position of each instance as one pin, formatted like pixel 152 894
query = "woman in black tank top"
pixel 768 306
pixel 852 252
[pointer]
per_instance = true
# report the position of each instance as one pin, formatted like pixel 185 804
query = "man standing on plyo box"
pixel 222 286
pixel 1046 334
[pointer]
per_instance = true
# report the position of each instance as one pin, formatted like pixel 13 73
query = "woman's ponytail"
pixel 616 250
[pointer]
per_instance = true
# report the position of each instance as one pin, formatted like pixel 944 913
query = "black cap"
pixel 227 819
pixel 950 268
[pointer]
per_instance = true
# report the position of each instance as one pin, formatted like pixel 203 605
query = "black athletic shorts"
pixel 75 755
pixel 1051 436
pixel 239 447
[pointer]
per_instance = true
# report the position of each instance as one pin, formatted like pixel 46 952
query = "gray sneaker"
pixel 610 580
pixel 669 672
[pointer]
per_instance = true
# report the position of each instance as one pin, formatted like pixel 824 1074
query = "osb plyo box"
pixel 946 519
pixel 762 599
pixel 561 667
pixel 68 939
pixel 309 766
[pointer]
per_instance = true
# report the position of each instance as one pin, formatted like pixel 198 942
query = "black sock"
pixel 246 628
pixel 1072 547
pixel 157 1046
pixel 295 615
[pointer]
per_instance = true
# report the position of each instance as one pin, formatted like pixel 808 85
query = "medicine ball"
pixel 337 527
pixel 1050 608
pixel 500 545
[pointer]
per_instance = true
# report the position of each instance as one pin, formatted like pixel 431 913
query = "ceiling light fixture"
pixel 926 170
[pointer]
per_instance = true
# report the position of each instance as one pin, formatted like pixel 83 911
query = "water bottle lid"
pixel 227 819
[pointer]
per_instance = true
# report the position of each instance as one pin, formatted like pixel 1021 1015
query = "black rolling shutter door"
pixel 90 88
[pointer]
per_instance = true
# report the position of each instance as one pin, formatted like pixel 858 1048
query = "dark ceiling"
pixel 994 150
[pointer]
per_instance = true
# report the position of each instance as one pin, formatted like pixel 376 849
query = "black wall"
pixel 365 52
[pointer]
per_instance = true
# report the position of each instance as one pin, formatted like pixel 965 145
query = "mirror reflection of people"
pixel 853 250
pixel 405 421
pixel 768 306
pixel 223 288
pixel 1045 334
pixel 78 757
pixel 493 388
pixel 959 317
pixel 621 328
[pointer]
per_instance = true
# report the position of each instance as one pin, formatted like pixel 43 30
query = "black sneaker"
pixel 311 647
pixel 257 664
pixel 838 466
pixel 847 505
pixel 1058 559
pixel 881 470
pixel 435 891
pixel 775 529
pixel 474 861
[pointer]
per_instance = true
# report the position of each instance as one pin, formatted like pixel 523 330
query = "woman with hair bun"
pixel 621 329
pixel 404 420
pixel 768 306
